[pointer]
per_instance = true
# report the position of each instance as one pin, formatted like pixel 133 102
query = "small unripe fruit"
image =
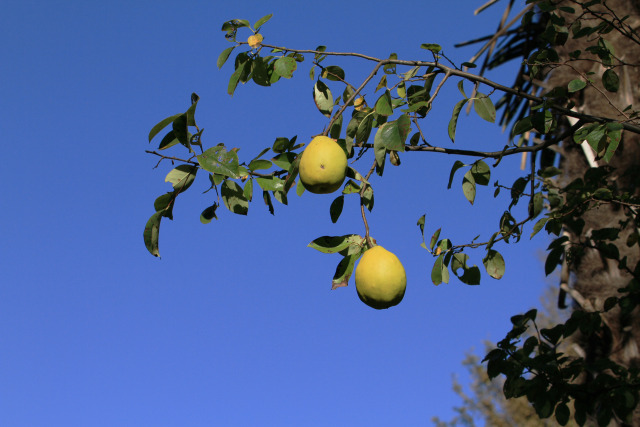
pixel 255 40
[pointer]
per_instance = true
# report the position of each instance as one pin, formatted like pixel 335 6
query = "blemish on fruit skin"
pixel 321 166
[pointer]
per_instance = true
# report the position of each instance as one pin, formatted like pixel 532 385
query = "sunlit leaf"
pixel 383 104
pixel 331 244
pixel 271 183
pixel 323 98
pixel 469 187
pixel 260 22
pixel 439 272
pixel 494 264
pixel 224 56
pixel 258 164
pixel 485 108
pixel 285 67
pixel 220 161
pixel 182 177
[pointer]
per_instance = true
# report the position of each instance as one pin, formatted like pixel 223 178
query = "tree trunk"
pixel 593 277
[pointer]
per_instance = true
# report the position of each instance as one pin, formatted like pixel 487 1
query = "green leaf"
pixel 284 160
pixel 169 140
pixel 434 239
pixel 151 233
pixel 182 177
pixel 235 78
pixel 220 161
pixel 260 72
pixel 433 47
pixel 267 201
pixel 383 104
pixel 344 271
pixel 481 172
pixel 259 164
pixel 223 58
pixel 453 123
pixel 610 81
pixel 469 187
pixel 392 135
pixel 323 98
pixel 553 259
pixel 470 275
pixel 161 125
pixel 233 197
pixel 439 272
pixel 461 89
pixel 271 183
pixel 523 125
pixel 180 130
pixel 539 225
pixel 485 108
pixel 333 73
pixel 367 197
pixel 456 165
pixel 364 129
pixel 576 85
pixel 248 190
pixel 285 66
pixel 208 214
pixel 260 22
pixel 494 264
pixel 331 244
pixel 336 127
pixel 336 208
pixel 382 83
pixel 542 121
pixel 164 204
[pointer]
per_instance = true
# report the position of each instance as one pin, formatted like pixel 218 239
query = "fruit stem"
pixel 364 217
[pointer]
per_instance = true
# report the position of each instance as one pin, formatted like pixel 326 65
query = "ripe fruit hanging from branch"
pixel 380 278
pixel 323 165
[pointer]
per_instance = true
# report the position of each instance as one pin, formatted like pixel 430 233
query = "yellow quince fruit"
pixel 323 165
pixel 380 278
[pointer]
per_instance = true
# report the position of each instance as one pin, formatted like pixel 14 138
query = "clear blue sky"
pixel 236 325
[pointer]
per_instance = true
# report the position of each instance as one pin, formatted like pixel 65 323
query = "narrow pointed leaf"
pixel 456 165
pixel 260 22
pixel 453 123
pixel 224 56
pixel 161 125
pixel 151 234
pixel 336 208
